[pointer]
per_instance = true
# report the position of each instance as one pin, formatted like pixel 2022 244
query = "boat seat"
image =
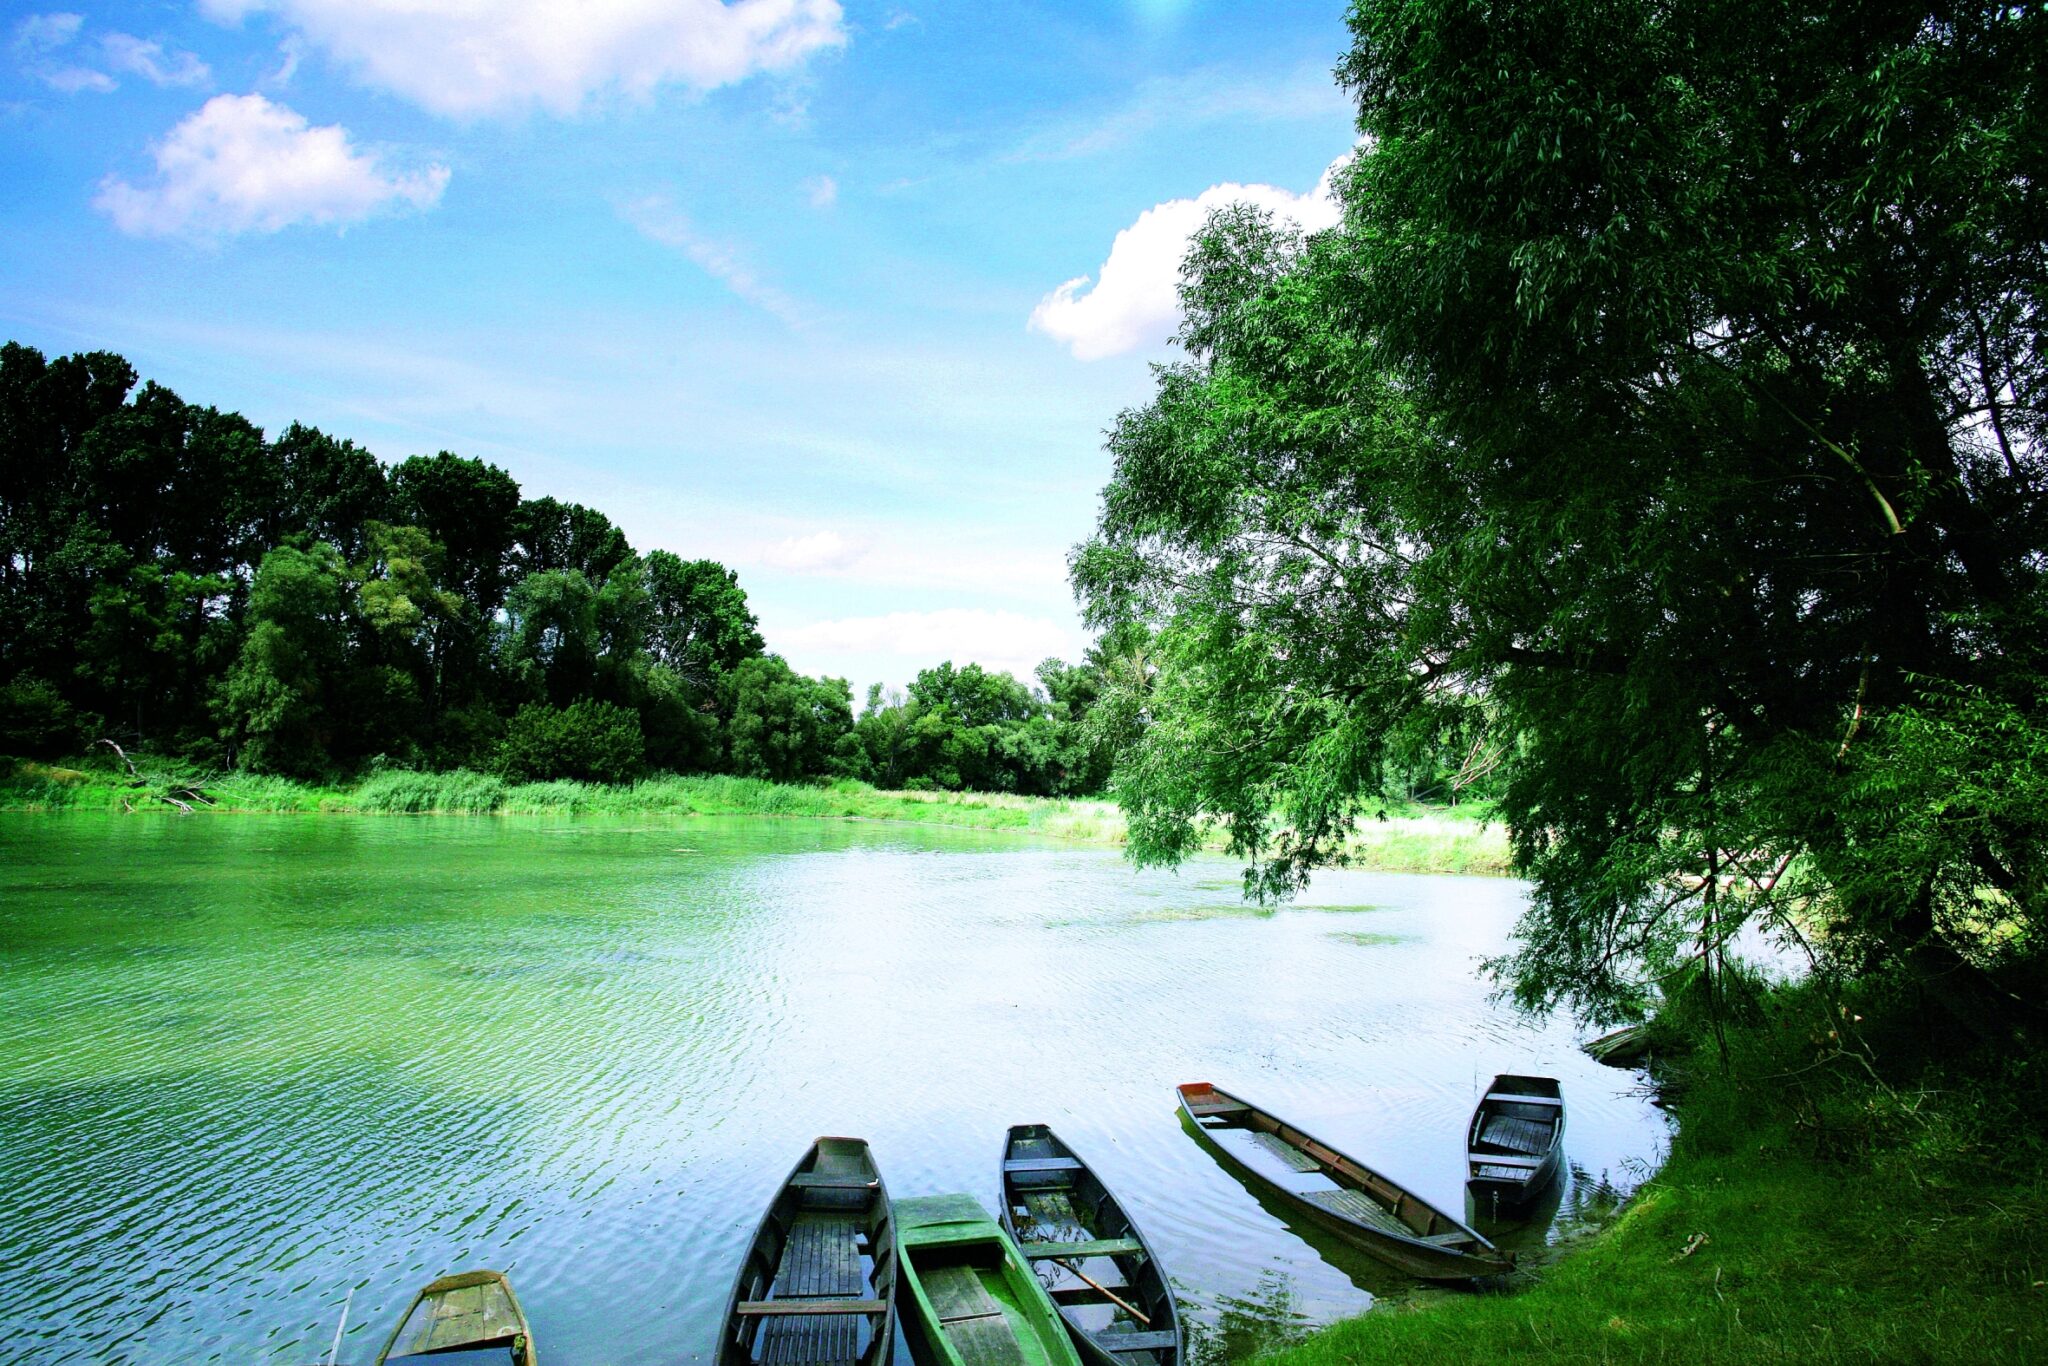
pixel 1157 1341
pixel 1498 1160
pixel 1041 1164
pixel 1451 1239
pixel 816 1181
pixel 763 1308
pixel 1513 1098
pixel 1094 1247
pixel 1529 1136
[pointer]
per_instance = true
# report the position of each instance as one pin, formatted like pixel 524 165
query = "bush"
pixel 35 719
pixel 594 741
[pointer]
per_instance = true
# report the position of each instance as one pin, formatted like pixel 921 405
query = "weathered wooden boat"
pixel 1627 1046
pixel 1344 1195
pixel 1515 1144
pixel 471 1312
pixel 1061 1214
pixel 970 1296
pixel 818 1284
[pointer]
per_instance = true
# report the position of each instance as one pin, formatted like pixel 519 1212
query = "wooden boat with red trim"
pixel 1369 1210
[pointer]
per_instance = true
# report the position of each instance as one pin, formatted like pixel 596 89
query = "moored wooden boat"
pixel 1062 1214
pixel 1627 1046
pixel 970 1296
pixel 1515 1144
pixel 470 1312
pixel 1344 1195
pixel 818 1284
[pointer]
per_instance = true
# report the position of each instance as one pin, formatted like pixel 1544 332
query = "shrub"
pixel 590 740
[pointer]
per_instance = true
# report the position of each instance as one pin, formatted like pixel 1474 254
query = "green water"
pixel 252 1065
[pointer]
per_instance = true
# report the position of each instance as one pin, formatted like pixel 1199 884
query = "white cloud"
pixel 998 640
pixel 821 552
pixel 148 60
pixel 823 191
pixel 1135 298
pixel 45 33
pixel 72 79
pixel 658 219
pixel 243 164
pixel 38 37
pixel 474 57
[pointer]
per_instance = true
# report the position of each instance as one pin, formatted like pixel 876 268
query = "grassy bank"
pixel 1421 841
pixel 1810 1212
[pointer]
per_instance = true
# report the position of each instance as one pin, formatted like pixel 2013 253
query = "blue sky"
pixel 841 295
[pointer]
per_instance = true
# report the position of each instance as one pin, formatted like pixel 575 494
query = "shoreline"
pixel 1423 841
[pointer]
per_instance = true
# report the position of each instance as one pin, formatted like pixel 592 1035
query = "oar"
pixel 1123 1304
pixel 335 1351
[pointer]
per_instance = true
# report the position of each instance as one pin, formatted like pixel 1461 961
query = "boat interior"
pixel 814 1282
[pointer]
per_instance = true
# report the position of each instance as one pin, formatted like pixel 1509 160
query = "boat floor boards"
pixel 821 1260
pixel 1530 1136
pixel 974 1323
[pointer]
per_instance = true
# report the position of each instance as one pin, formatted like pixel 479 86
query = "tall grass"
pixel 1813 1209
pixel 1420 841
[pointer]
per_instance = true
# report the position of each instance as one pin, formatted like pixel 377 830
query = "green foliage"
pixel 590 740
pixel 274 703
pixel 1814 1208
pixel 785 726
pixel 1659 436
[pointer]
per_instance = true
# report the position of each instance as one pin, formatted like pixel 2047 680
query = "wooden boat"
pixel 1062 1214
pixel 1515 1143
pixel 1627 1046
pixel 1346 1196
pixel 818 1284
pixel 970 1295
pixel 472 1312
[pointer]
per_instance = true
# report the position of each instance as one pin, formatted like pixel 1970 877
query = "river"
pixel 251 1065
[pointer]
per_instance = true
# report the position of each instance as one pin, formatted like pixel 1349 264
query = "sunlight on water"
pixel 249 1065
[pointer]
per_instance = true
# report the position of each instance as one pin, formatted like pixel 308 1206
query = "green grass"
pixel 1423 841
pixel 1808 1213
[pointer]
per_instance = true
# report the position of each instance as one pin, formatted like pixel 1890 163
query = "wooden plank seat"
pixel 1512 1098
pixel 1134 1342
pixel 1529 1136
pixel 1202 1108
pixel 824 1181
pixel 800 1305
pixel 1094 1247
pixel 1502 1160
pixel 1451 1239
pixel 1041 1164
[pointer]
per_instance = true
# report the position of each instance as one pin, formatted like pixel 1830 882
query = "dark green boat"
pixel 818 1286
pixel 1115 1301
pixel 969 1296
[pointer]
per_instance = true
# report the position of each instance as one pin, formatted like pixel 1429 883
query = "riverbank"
pixel 1810 1211
pixel 1425 840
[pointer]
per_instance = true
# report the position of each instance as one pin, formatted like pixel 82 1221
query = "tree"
pixel 786 727
pixel 1668 404
pixel 588 740
pixel 553 535
pixel 470 509
pixel 274 703
pixel 698 621
pixel 330 490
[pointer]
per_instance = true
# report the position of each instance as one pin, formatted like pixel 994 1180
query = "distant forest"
pixel 170 579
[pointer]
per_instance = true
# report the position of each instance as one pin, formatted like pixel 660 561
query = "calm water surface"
pixel 249 1065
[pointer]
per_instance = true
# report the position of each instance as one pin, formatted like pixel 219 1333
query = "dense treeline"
pixel 1669 415
pixel 170 577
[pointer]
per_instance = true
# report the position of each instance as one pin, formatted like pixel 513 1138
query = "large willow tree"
pixel 1666 416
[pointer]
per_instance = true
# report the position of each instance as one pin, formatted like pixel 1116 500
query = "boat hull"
pixel 1367 1210
pixel 817 1286
pixel 969 1297
pixel 1051 1199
